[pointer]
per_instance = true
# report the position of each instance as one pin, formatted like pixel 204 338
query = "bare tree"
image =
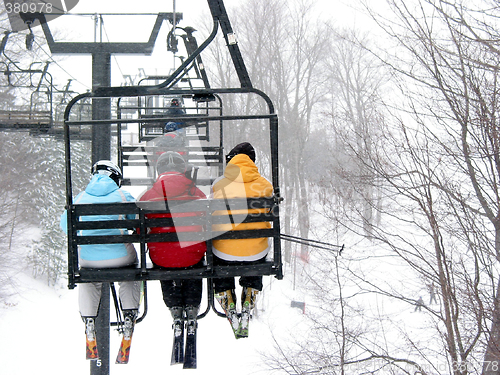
pixel 452 60
pixel 283 46
pixel 435 164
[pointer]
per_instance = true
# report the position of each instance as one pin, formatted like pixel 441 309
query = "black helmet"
pixel 175 102
pixel 170 161
pixel 110 169
pixel 242 148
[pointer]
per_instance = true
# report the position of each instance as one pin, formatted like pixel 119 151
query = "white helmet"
pixel 110 169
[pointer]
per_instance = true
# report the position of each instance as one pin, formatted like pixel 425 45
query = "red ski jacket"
pixel 174 186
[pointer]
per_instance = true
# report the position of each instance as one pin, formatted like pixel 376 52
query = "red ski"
pixel 128 329
pixel 124 352
pixel 92 349
pixel 90 337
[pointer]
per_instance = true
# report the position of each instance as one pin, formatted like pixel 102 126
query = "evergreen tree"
pixel 48 256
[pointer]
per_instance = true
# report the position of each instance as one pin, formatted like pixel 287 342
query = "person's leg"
pixel 172 292
pixel 130 294
pixel 192 290
pixel 89 297
pixel 172 296
pixel 251 286
pixel 254 282
pixel 225 283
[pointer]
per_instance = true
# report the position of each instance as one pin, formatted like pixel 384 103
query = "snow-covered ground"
pixel 41 333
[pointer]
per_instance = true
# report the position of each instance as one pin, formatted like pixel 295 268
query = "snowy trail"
pixel 49 318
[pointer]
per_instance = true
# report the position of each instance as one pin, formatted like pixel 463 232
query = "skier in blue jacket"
pixel 104 187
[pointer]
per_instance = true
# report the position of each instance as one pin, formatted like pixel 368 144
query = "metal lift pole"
pixel 219 12
pixel 101 149
pixel 101 107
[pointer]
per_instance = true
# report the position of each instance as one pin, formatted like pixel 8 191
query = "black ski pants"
pixel 182 292
pixel 228 283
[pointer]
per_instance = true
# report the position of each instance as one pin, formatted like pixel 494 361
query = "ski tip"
pixel 123 352
pixel 176 361
pixel 122 357
pixel 92 352
pixel 189 365
pixel 121 360
pixel 177 355
pixel 241 334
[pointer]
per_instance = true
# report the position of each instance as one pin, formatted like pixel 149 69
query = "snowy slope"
pixel 49 318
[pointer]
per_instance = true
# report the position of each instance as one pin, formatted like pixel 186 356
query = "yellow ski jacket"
pixel 241 179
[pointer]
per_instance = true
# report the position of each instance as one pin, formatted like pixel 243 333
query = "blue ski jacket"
pixel 101 189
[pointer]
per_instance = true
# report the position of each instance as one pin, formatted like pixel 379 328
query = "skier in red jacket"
pixel 182 297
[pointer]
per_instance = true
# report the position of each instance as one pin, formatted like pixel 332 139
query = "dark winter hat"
pixel 242 148
pixel 171 126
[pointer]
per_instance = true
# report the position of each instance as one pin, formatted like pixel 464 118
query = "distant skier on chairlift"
pixel 172 140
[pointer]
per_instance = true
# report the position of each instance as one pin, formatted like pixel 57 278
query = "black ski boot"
pixel 191 314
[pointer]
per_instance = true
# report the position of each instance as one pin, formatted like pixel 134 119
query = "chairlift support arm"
pixel 92 47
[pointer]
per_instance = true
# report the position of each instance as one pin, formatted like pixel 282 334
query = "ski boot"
pixel 227 301
pixel 90 335
pixel 191 314
pixel 178 317
pixel 248 297
pixel 129 318
pixel 178 327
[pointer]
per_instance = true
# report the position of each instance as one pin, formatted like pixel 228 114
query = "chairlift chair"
pixel 212 115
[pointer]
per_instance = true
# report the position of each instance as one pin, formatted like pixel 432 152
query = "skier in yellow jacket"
pixel 241 179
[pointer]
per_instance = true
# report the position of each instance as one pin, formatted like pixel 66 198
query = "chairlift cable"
pixel 174 14
pixel 60 67
pixel 114 55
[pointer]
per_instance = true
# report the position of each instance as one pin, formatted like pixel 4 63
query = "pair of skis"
pixel 123 352
pixel 239 323
pixel 127 327
pixel 185 354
